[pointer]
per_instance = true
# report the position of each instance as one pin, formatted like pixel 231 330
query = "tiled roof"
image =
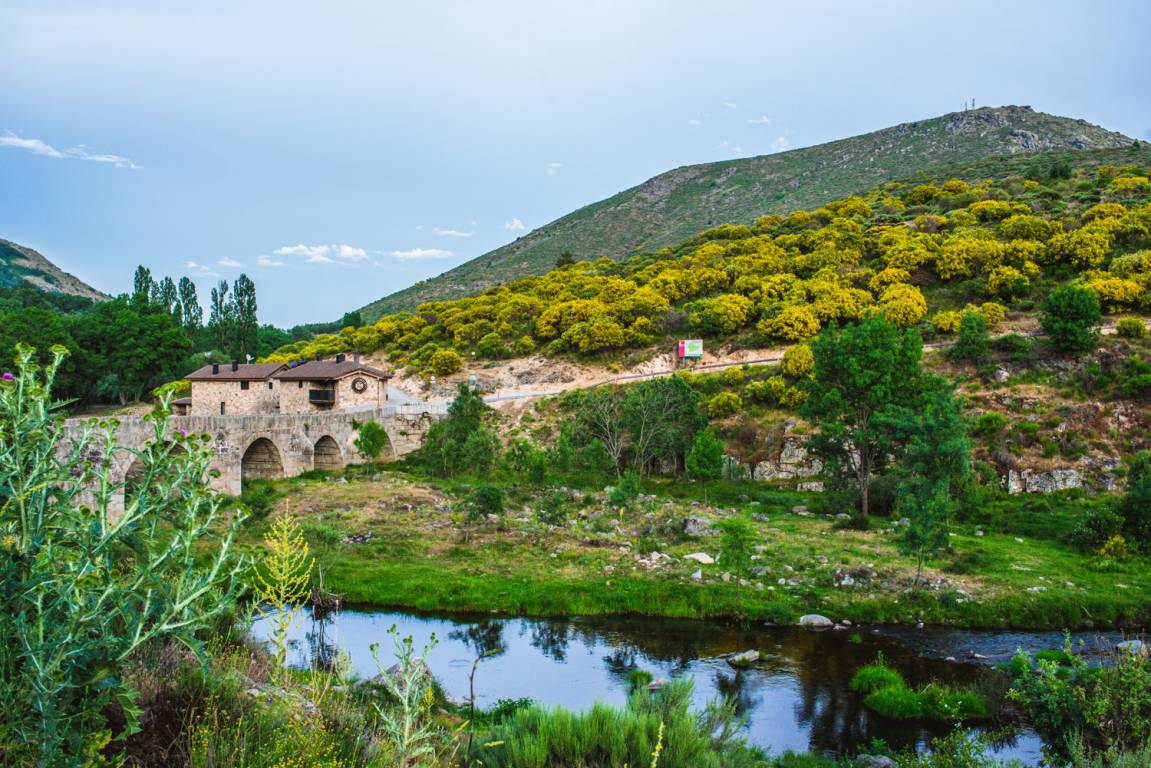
pixel 328 370
pixel 243 372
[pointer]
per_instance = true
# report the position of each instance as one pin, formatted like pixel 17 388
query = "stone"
pixel 656 684
pixel 700 557
pixel 1134 647
pixel 815 486
pixel 697 576
pixel 1050 481
pixel 745 659
pixel 726 577
pixel 875 761
pixel 696 526
pixel 815 621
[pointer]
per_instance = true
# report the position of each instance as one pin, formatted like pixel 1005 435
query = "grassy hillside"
pixel 921 251
pixel 19 263
pixel 673 206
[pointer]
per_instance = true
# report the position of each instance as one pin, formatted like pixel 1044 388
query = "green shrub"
pixel 875 676
pixel 1070 317
pixel 626 490
pixel 1096 529
pixel 485 500
pixel 553 510
pixel 723 405
pixel 736 541
pixel 705 459
pixel 952 704
pixel 989 424
pixel 973 342
pixel 259 497
pixel 896 702
pixel 1131 327
pixel 444 362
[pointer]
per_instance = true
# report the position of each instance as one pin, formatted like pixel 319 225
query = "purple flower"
pixel 7 376
pixel 183 432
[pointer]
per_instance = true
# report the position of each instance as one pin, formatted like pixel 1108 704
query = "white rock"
pixel 815 621
pixel 697 576
pixel 700 557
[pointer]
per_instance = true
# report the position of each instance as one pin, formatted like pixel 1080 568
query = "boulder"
pixel 696 526
pixel 1134 647
pixel 745 659
pixel 700 557
pixel 1050 481
pixel 815 621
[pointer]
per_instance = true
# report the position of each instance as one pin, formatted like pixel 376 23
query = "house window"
pixel 221 408
pixel 269 385
pixel 243 385
pixel 299 385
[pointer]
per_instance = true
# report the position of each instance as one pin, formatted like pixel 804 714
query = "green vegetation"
pixel 1070 317
pixel 675 205
pixel 655 728
pixel 915 252
pixel 888 694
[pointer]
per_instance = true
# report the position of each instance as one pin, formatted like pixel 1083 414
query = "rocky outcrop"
pixel 793 463
pixel 1049 481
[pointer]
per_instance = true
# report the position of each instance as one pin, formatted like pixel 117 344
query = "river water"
pixel 797 699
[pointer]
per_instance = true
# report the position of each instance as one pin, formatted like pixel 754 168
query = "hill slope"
pixel 675 205
pixel 19 263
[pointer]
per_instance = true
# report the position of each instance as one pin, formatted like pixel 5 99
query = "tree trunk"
pixel 864 486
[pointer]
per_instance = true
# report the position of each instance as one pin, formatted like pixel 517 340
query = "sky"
pixel 339 151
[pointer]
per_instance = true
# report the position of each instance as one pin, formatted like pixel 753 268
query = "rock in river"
pixel 815 621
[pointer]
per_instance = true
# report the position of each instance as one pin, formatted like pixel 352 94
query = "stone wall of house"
pixel 293 398
pixel 261 397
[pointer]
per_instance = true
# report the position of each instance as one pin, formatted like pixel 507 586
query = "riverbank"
pixel 398 541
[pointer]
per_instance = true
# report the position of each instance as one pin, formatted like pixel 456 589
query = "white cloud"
pixel 352 253
pixel 780 144
pixel 730 104
pixel 229 263
pixel 38 147
pixel 32 145
pixel 267 261
pixel 515 225
pixel 761 120
pixel 554 168
pixel 695 121
pixel 417 254
pixel 201 270
pixel 452 232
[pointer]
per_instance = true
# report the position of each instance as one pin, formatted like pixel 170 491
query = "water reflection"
pixel 797 698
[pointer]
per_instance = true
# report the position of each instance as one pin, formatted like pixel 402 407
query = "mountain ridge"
pixel 21 263
pixel 676 204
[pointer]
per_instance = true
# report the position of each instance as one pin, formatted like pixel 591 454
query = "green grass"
pixel 876 676
pixel 422 553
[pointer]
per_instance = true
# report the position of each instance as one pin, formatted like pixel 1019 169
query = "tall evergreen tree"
pixel 191 315
pixel 245 324
pixel 143 286
pixel 220 317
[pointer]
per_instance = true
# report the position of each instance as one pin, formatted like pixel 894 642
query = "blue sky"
pixel 338 151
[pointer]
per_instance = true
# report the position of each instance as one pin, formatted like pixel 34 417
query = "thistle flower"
pixel 7 376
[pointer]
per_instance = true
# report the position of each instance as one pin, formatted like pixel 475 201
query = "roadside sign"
pixel 690 348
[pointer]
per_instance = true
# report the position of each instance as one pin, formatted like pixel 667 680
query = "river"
pixel 797 699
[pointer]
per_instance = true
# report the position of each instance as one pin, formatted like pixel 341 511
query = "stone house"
pixel 331 385
pixel 234 389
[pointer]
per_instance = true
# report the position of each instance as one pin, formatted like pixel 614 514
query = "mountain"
pixel 19 263
pixel 676 205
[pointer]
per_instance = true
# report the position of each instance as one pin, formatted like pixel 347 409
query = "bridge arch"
pixel 261 461
pixel 327 455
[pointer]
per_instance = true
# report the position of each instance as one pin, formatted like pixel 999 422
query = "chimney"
pixel 356 358
pixel 235 366
pixel 215 368
pixel 340 358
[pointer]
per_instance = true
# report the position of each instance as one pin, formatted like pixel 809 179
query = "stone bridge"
pixel 277 445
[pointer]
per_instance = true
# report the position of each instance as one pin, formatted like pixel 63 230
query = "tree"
pixel 461 442
pixel 143 286
pixel 974 342
pixel 191 315
pixel 705 460
pixel 138 347
pixel 352 319
pixel 1135 506
pixel 168 296
pixel 1070 317
pixel 861 372
pixel 220 317
pixel 565 259
pixel 936 459
pixel 43 329
pixel 371 439
pixel 82 589
pixel 661 417
pixel 245 320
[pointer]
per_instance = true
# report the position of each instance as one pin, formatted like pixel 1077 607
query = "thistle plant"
pixel 83 585
pixel 282 582
pixel 406 724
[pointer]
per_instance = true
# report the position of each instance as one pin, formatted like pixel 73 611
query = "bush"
pixel 259 497
pixel 895 701
pixel 1096 529
pixel 445 362
pixel 626 490
pixel 553 510
pixel 485 500
pixel 798 361
pixel 1070 316
pixel 1135 506
pixel 875 676
pixel 705 459
pixel 973 342
pixel 989 424
pixel 735 544
pixel 1131 327
pixel 723 405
